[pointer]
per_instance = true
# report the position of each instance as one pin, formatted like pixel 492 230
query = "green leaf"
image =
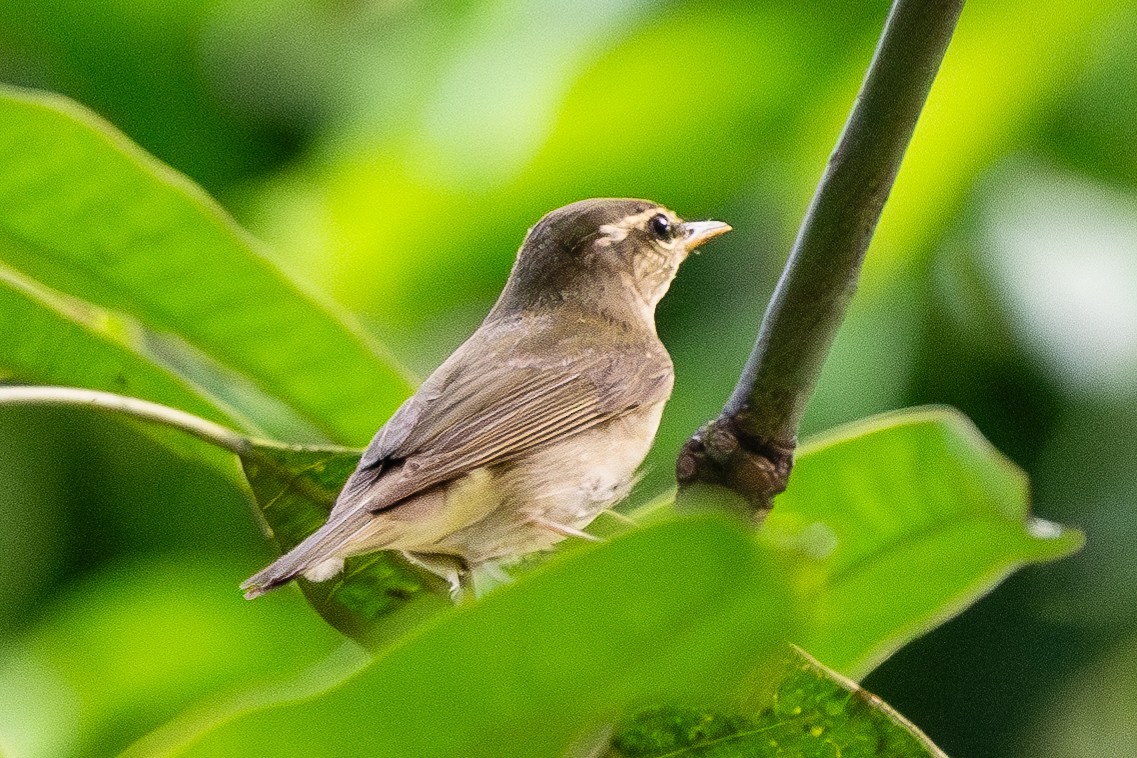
pixel 175 734
pixel 87 213
pixel 129 648
pixel 815 713
pixel 910 517
pixel 378 595
pixel 41 343
pixel 44 340
pixel 682 612
pixel 915 507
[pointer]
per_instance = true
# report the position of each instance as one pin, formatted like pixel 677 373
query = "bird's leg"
pixel 493 573
pixel 621 517
pixel 452 568
pixel 563 529
pixel 466 593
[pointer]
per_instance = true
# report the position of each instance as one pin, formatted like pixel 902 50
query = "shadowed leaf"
pixel 293 489
pixel 39 340
pixel 377 594
pixel 815 713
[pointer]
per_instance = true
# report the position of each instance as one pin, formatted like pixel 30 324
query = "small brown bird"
pixel 538 422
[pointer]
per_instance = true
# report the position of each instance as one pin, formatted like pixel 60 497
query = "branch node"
pixel 724 454
pixel 720 442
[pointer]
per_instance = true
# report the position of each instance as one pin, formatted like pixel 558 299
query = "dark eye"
pixel 660 227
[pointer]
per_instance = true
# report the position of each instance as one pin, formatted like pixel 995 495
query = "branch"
pixel 208 431
pixel 749 448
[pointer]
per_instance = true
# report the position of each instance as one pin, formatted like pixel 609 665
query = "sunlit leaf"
pixel 87 213
pixel 175 734
pixel 815 713
pixel 683 612
pixel 40 342
pixel 910 518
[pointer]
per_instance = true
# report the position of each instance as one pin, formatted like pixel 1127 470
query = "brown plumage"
pixel 537 423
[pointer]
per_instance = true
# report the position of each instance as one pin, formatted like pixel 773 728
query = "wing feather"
pixel 467 415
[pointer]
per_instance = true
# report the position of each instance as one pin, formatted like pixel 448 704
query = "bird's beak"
pixel 699 232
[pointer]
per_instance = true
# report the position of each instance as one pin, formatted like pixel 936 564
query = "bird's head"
pixel 615 256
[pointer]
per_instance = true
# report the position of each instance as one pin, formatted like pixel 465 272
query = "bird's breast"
pixel 568 482
pixel 576 478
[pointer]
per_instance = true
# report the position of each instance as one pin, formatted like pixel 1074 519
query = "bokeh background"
pixel 391 154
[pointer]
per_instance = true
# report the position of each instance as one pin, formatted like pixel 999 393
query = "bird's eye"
pixel 660 227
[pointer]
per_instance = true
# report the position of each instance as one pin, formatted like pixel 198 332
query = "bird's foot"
pixel 451 568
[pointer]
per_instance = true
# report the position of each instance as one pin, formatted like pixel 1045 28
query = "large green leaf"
pixel 815 713
pixel 913 507
pixel 910 518
pixel 684 613
pixel 895 524
pixel 902 521
pixel 87 213
pixel 131 647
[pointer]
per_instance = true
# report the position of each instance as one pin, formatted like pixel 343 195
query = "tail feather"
pixel 268 579
pixel 317 553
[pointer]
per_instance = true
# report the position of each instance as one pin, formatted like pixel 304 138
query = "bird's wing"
pixel 467 416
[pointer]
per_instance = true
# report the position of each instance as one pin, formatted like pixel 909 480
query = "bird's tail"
pixel 316 558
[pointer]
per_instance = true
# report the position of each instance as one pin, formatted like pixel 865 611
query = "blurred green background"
pixel 391 154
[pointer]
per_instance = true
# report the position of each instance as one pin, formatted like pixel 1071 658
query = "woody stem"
pixel 749 447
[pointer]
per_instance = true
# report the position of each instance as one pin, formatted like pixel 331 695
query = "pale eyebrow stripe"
pixel 611 233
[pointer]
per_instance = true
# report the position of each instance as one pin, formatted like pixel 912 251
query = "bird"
pixel 537 423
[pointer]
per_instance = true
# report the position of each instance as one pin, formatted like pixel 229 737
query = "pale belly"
pixel 565 484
